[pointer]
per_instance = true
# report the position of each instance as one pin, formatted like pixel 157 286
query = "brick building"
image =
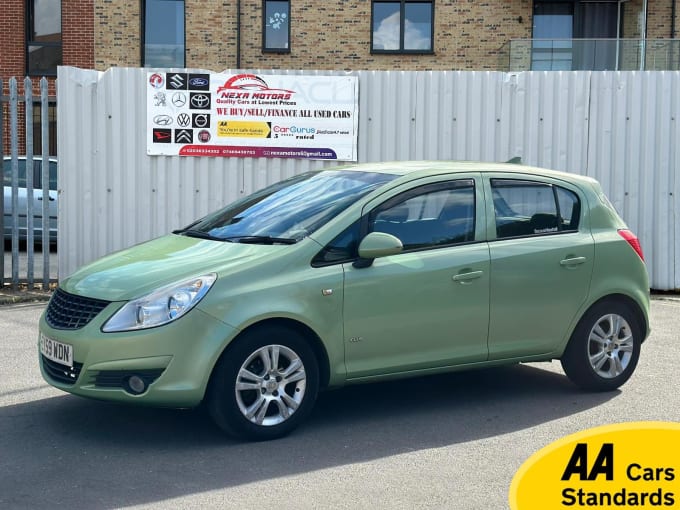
pixel 35 37
pixel 38 35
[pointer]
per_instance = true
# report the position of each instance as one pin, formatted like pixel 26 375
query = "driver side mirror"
pixel 376 245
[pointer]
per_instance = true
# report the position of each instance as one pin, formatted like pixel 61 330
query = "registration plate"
pixel 56 351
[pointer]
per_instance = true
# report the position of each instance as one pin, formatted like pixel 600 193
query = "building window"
pixel 164 33
pixel 276 26
pixel 43 37
pixel 406 26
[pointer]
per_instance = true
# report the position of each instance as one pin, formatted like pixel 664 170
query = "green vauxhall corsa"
pixel 355 274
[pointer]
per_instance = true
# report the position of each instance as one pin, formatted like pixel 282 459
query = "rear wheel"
pixel 604 349
pixel 264 385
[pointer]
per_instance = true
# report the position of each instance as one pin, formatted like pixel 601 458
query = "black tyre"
pixel 604 349
pixel 264 384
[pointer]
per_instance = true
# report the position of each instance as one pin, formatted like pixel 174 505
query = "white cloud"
pixel 416 36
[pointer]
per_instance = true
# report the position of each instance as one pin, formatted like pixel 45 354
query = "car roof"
pixel 423 168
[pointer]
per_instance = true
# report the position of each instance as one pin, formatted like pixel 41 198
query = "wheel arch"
pixel 624 299
pixel 282 322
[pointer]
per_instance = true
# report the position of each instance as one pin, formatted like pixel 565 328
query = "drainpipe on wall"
pixel 238 34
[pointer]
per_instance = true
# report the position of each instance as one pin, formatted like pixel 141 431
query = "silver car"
pixel 37 199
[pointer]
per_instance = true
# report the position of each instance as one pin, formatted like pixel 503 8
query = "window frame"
pixel 518 182
pixel 30 24
pixel 142 38
pixel 265 48
pixel 402 23
pixel 364 223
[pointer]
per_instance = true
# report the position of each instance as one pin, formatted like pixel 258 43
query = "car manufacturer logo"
pixel 179 99
pixel 204 136
pixel 199 82
pixel 159 99
pixel 177 81
pixel 162 120
pixel 156 80
pixel 200 101
pixel 184 135
pixel 183 120
pixel 201 120
pixel 162 135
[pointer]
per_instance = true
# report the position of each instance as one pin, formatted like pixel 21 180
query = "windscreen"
pixel 289 210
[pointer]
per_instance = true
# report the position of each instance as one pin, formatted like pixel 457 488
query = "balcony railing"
pixel 590 54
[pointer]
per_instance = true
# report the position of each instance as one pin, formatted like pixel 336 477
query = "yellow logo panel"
pixel 243 129
pixel 628 465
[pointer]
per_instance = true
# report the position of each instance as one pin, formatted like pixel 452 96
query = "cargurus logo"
pixel 295 130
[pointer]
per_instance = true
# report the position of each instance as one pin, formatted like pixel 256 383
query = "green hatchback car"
pixel 355 274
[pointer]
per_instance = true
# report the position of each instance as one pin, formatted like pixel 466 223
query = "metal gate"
pixel 29 199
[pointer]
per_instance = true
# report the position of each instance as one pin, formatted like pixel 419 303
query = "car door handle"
pixel 571 262
pixel 51 199
pixel 466 277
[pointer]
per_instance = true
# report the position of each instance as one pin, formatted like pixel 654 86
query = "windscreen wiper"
pixel 261 240
pixel 198 233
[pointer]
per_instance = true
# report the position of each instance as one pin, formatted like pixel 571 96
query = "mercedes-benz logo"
pixel 200 100
pixel 162 120
pixel 183 120
pixel 179 99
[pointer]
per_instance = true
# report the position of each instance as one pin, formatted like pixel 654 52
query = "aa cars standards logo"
pixel 628 465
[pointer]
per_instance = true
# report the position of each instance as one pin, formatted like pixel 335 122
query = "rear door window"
pixel 529 208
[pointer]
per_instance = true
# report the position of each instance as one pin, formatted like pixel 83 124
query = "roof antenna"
pixel 517 160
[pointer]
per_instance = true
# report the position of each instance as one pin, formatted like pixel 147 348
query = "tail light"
pixel 633 241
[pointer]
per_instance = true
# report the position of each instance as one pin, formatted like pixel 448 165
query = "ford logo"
pixel 198 82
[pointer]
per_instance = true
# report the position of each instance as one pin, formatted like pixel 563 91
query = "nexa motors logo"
pixel 249 86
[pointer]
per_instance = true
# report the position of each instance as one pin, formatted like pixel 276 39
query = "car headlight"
pixel 161 306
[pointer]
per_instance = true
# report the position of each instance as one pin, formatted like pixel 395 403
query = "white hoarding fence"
pixel 619 127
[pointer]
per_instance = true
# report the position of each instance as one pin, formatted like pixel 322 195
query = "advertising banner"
pixel 250 116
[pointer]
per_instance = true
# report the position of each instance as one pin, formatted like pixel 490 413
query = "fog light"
pixel 136 385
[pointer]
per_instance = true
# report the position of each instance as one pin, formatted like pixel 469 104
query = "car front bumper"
pixel 175 360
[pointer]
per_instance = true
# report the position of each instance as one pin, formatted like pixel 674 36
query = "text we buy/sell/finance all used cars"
pixel 351 275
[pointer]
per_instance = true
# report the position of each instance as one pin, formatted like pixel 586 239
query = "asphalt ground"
pixel 452 441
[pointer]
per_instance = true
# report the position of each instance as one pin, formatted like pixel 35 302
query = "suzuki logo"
pixel 176 81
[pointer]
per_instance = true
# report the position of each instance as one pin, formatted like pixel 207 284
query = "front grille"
pixel 118 378
pixel 61 373
pixel 67 311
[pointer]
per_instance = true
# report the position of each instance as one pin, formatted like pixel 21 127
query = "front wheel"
pixel 264 385
pixel 604 349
